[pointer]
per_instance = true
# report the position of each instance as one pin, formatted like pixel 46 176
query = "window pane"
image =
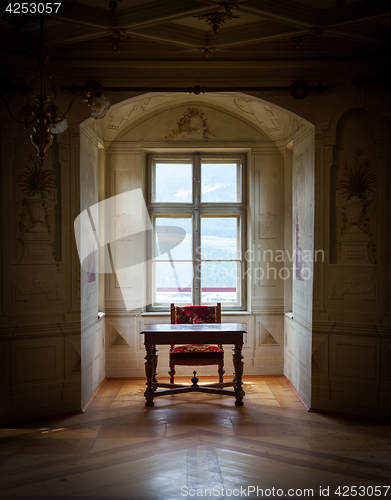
pixel 173 282
pixel 183 251
pixel 219 182
pixel 220 282
pixel 219 238
pixel 172 182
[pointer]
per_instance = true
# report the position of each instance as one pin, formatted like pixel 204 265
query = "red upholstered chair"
pixel 196 354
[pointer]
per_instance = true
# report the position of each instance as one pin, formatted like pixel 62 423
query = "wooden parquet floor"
pixel 195 445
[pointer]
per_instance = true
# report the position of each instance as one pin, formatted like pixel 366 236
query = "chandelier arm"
pixel 25 123
pixel 68 110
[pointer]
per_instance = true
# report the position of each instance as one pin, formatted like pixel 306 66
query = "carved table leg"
pixel 149 372
pixel 155 361
pixel 238 365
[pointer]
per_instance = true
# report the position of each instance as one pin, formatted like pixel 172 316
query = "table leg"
pixel 155 361
pixel 238 365
pixel 149 372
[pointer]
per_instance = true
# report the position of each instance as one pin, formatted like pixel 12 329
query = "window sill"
pixel 101 315
pixel 223 313
pixel 289 315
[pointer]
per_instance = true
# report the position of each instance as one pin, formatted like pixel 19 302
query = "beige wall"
pixel 40 349
pixel 352 324
pixel 53 356
pixel 126 170
pixel 298 328
pixel 92 328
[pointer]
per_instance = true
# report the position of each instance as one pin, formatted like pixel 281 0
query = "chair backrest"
pixel 195 314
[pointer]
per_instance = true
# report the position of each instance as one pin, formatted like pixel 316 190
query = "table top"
pixel 201 333
pixel 199 327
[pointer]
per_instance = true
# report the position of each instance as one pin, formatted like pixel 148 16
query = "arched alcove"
pixel 279 192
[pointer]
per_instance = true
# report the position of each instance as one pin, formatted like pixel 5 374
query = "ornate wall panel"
pixel 37 361
pixel 355 358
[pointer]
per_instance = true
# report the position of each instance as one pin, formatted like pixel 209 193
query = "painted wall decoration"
pixel 36 195
pixel 354 182
pixel 193 121
pixel 356 187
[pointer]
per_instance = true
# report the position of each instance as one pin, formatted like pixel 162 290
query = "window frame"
pixel 195 210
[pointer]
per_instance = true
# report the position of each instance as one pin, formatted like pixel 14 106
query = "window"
pixel 202 197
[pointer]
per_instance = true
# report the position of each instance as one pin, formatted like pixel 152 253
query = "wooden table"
pixel 204 333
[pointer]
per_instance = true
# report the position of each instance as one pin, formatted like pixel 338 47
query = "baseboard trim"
pixel 93 395
pixel 342 414
pixel 297 394
pixel 128 378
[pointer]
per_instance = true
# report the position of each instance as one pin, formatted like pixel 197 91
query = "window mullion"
pixel 197 230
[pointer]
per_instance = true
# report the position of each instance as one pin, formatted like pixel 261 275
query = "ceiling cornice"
pixel 357 12
pixel 284 11
pixel 172 34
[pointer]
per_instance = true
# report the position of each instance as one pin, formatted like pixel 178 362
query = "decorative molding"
pixel 119 335
pixel 3 364
pixel 268 228
pixel 328 155
pixel 89 322
pixel 9 148
pixel 33 284
pixel 39 330
pixel 299 40
pixel 38 360
pixel 267 189
pixel 268 310
pixel 290 340
pixel 388 362
pixel 116 37
pixel 356 329
pixel 318 356
pixel 269 275
pixel 207 51
pixel 217 19
pixel 269 333
pixel 354 358
pixel 63 152
pixel 268 120
pixel 116 119
pixel 74 357
pixel 358 284
pixel 381 149
pixel 302 321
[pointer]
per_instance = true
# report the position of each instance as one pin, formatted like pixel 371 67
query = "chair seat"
pixel 197 351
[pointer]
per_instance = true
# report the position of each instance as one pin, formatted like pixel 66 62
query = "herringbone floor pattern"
pixel 195 445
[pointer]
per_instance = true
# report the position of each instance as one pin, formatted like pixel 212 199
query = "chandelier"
pixel 40 109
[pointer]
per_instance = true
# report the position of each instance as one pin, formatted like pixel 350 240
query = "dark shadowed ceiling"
pixel 269 41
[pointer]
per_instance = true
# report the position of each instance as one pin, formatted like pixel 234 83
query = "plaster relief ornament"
pixel 193 121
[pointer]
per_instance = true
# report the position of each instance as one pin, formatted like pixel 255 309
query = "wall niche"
pixel 354 192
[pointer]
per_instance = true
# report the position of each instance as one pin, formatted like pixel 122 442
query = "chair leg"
pixel 172 372
pixel 221 372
